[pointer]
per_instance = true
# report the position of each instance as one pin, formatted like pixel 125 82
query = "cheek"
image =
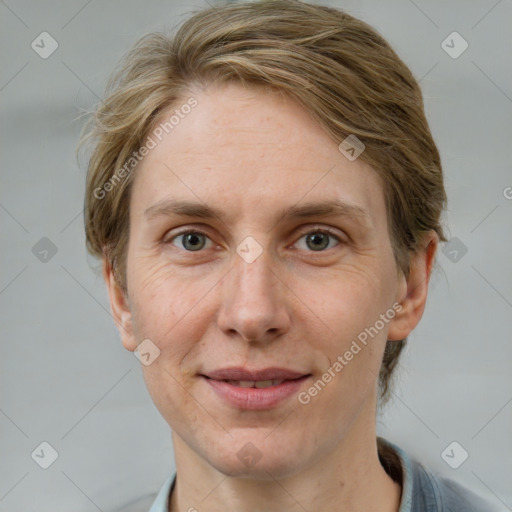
pixel 349 301
pixel 173 397
pixel 161 294
pixel 165 308
pixel 346 299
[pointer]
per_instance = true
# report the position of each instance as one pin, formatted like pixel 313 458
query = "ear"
pixel 119 307
pixel 413 290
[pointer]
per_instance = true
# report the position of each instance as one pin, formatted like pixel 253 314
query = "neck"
pixel 351 478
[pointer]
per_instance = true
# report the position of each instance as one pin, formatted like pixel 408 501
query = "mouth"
pixel 259 384
pixel 255 389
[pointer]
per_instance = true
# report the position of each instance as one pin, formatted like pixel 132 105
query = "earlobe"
pixel 413 290
pixel 119 307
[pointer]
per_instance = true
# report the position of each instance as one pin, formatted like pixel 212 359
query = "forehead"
pixel 247 147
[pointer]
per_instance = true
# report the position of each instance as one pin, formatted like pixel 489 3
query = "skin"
pixel 252 153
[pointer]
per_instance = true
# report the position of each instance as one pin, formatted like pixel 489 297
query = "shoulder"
pixel 424 491
pixel 441 494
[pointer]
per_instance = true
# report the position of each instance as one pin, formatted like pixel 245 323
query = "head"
pixel 243 112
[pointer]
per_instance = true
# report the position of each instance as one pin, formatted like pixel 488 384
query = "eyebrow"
pixel 169 207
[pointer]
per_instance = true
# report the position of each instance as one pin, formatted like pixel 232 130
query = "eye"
pixel 319 239
pixel 191 241
pixel 316 240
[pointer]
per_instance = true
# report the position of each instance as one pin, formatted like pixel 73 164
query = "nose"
pixel 254 305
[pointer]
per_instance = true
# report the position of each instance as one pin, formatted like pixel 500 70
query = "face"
pixel 259 252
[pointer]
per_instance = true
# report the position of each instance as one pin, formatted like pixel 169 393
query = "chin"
pixel 259 459
pixel 264 469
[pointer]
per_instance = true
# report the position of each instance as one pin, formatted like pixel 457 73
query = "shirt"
pixel 421 490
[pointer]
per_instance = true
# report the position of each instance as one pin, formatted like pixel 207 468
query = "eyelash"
pixel 323 230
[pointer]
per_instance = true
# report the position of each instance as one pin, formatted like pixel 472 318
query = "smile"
pixel 255 394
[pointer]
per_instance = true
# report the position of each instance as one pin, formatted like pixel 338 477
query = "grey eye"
pixel 317 241
pixel 192 241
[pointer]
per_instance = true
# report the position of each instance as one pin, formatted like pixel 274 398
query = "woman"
pixel 265 195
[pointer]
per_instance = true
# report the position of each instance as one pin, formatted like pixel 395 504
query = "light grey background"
pixel 65 378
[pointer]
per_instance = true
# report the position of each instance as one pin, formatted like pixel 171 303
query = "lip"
pixel 239 373
pixel 254 398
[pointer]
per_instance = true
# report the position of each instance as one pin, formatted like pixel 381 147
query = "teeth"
pixel 263 384
pixel 256 384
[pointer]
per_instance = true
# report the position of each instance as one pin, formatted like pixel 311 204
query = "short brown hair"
pixel 338 67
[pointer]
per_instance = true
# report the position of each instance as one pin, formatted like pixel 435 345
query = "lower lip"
pixel 254 398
